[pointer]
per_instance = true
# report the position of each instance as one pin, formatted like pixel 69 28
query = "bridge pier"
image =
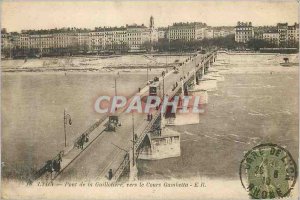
pixel 163 121
pixel 182 88
pixel 207 65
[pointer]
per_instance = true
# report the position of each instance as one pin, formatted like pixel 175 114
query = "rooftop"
pixel 272 32
pixel 189 24
pixel 244 24
pixel 122 28
pixel 135 26
pixel 52 31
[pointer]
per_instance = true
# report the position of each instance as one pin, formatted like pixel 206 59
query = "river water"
pixel 257 102
pixel 33 111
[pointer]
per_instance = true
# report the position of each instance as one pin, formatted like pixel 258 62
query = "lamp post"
pixel 195 78
pixel 147 73
pixel 163 75
pixel 115 86
pixel 115 78
pixel 133 141
pixel 67 120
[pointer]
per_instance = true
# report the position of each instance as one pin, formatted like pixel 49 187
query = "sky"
pixel 18 15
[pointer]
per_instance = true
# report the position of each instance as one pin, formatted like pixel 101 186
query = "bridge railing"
pixel 46 167
pixel 189 75
pixel 126 160
pixel 88 131
pixel 121 168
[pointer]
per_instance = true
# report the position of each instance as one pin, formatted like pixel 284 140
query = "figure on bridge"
pixel 48 166
pixel 81 141
pixel 56 166
pixel 86 137
pixel 110 174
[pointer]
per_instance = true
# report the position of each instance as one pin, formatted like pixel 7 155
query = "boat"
pixel 287 63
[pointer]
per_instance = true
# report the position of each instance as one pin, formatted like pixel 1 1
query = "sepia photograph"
pixel 133 99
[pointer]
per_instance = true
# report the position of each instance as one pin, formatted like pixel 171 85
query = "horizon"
pixel 34 15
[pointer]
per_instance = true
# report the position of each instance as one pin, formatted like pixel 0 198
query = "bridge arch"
pixel 146 142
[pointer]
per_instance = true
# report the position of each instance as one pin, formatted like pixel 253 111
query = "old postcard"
pixel 149 99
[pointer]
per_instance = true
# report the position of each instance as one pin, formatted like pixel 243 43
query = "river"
pixel 257 103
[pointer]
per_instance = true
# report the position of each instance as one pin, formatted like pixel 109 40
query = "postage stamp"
pixel 268 171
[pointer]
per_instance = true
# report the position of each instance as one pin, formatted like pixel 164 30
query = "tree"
pixel 147 46
pixel 227 42
pixel 256 44
pixel 161 45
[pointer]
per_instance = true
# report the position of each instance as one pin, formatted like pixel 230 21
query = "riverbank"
pixel 94 64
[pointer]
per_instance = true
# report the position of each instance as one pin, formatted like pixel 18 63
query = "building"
pixel 288 35
pixel 209 33
pixel 162 32
pixel 272 37
pixel 115 38
pixel 137 36
pixel 282 29
pixel 187 31
pixel 223 31
pixel 244 32
pixel 5 40
pixel 293 35
pixel 48 41
pixel 83 40
pixel 97 40
pixel 72 40
pixel 259 35
pixel 130 38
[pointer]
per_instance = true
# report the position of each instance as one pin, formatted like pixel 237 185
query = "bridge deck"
pixel 102 155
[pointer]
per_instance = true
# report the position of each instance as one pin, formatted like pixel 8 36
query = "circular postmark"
pixel 268 171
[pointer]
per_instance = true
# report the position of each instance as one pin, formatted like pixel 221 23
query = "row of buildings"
pixel 126 38
pixel 193 31
pixel 282 35
pixel 129 38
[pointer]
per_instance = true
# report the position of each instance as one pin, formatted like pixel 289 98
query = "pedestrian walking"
pixel 110 174
pixel 86 137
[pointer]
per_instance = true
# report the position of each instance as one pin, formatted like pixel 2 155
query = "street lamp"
pixel 133 141
pixel 147 73
pixel 163 75
pixel 115 86
pixel 67 121
pixel 115 78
